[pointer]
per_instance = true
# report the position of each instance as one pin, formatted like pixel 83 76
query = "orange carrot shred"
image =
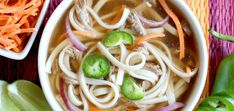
pixel 140 40
pixel 178 26
pixel 17 22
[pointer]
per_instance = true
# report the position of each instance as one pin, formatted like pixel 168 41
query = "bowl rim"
pixel 202 51
pixel 21 55
pixel 180 4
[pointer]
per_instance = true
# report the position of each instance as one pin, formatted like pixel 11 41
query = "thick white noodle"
pixel 67 61
pixel 84 81
pixel 152 80
pixel 113 78
pixel 147 73
pixel 115 62
pixel 107 26
pixel 106 94
pixel 99 91
pixel 72 97
pixel 85 102
pixel 157 89
pixel 170 89
pixel 177 71
pixel 65 70
pixel 99 5
pixel 73 20
pixel 165 85
pixel 171 92
pixel 136 54
pixel 54 54
pixel 156 55
pixel 120 74
pixel 163 67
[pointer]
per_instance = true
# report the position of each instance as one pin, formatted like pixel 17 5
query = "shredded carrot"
pixel 17 21
pixel 178 26
pixel 140 40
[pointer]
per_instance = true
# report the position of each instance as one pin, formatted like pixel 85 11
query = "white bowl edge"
pixel 181 5
pixel 203 53
pixel 47 33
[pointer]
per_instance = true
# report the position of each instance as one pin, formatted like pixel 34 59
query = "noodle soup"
pixel 127 56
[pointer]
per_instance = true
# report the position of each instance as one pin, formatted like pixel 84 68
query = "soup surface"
pixel 122 55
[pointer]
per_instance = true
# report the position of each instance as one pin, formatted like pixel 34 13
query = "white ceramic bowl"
pixel 56 21
pixel 21 55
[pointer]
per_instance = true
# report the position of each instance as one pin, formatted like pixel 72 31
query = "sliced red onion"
pixel 68 104
pixel 152 23
pixel 72 37
pixel 171 107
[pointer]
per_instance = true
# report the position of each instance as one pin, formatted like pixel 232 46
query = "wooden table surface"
pixel 11 70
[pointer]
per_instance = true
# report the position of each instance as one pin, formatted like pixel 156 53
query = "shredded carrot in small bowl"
pixel 17 22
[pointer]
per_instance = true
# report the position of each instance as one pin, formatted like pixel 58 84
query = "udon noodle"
pixel 140 76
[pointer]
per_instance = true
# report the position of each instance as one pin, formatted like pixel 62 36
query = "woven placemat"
pixel 221 20
pixel 220 14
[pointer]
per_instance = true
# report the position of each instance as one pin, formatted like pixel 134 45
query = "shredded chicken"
pixel 154 68
pixel 135 60
pixel 143 50
pixel 74 53
pixel 83 14
pixel 146 85
pixel 136 23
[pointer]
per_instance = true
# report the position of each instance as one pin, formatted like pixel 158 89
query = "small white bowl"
pixel 21 55
pixel 55 26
